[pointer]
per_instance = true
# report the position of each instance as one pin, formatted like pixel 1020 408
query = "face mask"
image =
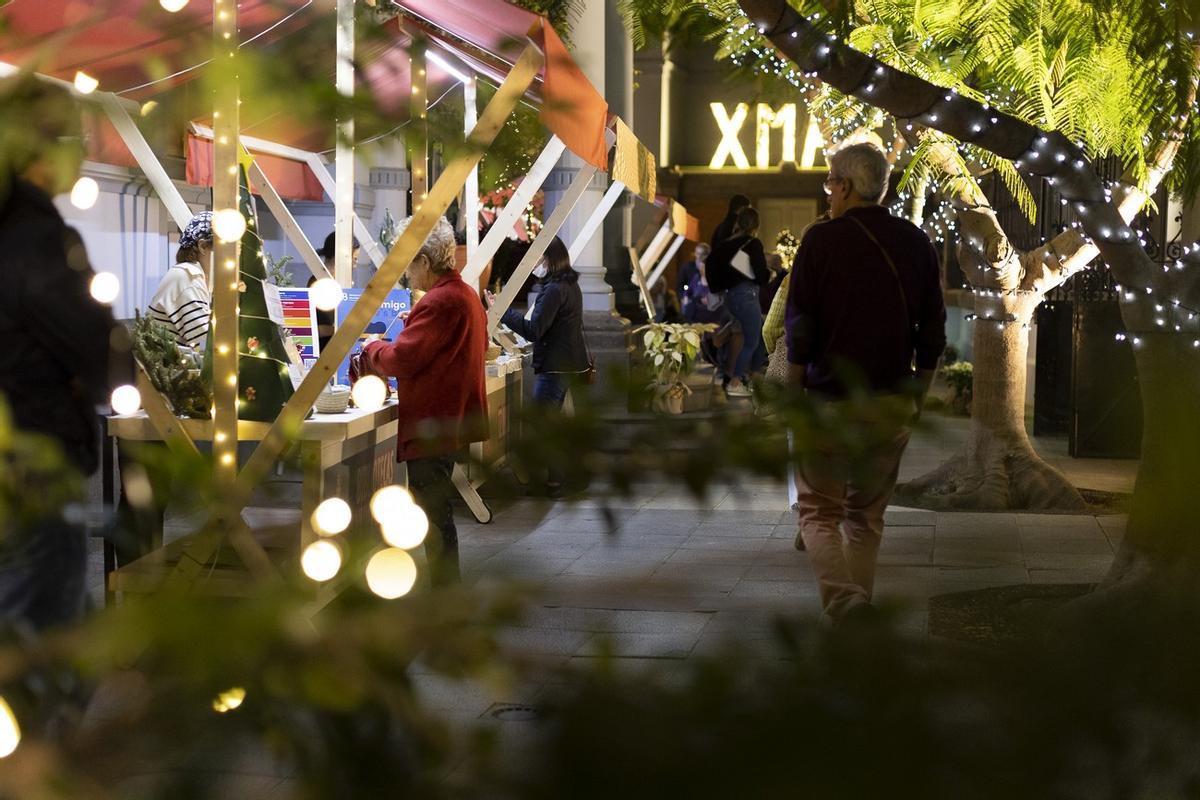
pixel 540 271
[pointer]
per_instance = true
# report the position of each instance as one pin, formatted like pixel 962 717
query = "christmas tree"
pixel 174 372
pixel 264 382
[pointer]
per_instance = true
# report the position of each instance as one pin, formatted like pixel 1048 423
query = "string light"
pixel 85 193
pixel 229 700
pixel 10 731
pixel 332 516
pixel 369 393
pixel 173 6
pixel 229 224
pixel 84 83
pixel 126 400
pixel 326 294
pixel 105 287
pixel 321 560
pixel 391 573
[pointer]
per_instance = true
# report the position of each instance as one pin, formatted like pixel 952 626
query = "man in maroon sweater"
pixel 865 314
pixel 438 362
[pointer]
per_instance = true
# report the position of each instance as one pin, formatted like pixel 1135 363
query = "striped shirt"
pixel 181 303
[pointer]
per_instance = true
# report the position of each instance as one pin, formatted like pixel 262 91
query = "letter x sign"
pixel 730 127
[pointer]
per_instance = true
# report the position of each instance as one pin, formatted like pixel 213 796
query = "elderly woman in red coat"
pixel 438 361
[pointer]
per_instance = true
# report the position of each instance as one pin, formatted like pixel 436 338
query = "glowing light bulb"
pixel 10 731
pixel 173 5
pixel 321 560
pixel 229 224
pixel 105 287
pixel 388 501
pixel 126 399
pixel 368 393
pixel 332 517
pixel 406 528
pixel 326 294
pixel 391 573
pixel 85 193
pixel 229 699
pixel 84 83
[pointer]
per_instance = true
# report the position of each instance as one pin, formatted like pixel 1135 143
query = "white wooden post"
pixel 594 222
pixel 538 247
pixel 471 190
pixel 666 259
pixel 656 246
pixel 516 205
pixel 291 228
pixel 163 186
pixel 343 199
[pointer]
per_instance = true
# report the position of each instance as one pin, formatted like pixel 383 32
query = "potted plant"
pixel 671 352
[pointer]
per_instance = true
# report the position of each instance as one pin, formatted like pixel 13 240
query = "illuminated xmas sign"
pixel 766 119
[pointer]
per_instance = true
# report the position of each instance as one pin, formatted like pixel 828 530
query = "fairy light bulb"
pixel 228 224
pixel 391 573
pixel 369 393
pixel 229 700
pixel 84 83
pixel 321 560
pixel 105 287
pixel 126 400
pixel 10 731
pixel 406 527
pixel 85 193
pixel 326 294
pixel 332 517
pixel 389 500
pixel 173 6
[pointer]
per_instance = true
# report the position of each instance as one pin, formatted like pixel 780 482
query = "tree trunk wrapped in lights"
pixel 1158 312
pixel 264 381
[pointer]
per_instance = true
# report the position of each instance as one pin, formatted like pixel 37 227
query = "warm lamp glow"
pixel 391 573
pixel 405 528
pixel 105 287
pixel 85 193
pixel 321 560
pixel 10 731
pixel 173 5
pixel 228 224
pixel 325 294
pixel 126 399
pixel 84 83
pixel 332 517
pixel 369 393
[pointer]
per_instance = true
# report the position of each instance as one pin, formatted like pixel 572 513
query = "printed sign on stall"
pixel 300 318
pixel 386 322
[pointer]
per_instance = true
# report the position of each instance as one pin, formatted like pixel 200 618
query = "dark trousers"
pixel 550 389
pixel 429 480
pixel 43 568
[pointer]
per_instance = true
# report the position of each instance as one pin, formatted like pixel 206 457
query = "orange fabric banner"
pixel 571 107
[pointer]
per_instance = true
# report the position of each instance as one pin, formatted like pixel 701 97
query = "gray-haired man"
pixel 864 307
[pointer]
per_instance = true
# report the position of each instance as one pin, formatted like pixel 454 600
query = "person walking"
pixel 555 326
pixel 62 351
pixel 865 299
pixel 738 269
pixel 438 362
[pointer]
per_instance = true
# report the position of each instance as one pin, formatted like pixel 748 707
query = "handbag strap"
pixel 891 265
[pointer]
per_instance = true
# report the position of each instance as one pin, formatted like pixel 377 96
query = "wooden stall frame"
pixel 665 261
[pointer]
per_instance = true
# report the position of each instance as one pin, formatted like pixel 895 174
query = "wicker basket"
pixel 333 400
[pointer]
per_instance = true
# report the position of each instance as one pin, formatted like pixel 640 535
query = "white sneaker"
pixel 737 389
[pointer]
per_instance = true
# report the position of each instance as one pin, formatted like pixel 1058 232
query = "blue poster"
pixel 386 321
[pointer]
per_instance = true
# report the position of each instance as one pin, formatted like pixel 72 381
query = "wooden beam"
pixel 397 261
pixel 291 228
pixel 596 219
pixel 537 248
pixel 416 139
pixel 471 190
pixel 163 186
pixel 639 275
pixel 368 242
pixel 655 248
pixel 161 416
pixel 666 259
pixel 513 210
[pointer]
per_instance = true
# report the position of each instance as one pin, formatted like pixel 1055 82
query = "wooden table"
pixel 348 455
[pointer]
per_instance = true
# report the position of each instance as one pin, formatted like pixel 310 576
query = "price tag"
pixel 274 303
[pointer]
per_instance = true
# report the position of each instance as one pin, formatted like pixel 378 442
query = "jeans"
pixel 742 301
pixel 43 568
pixel 549 389
pixel 836 495
pixel 432 486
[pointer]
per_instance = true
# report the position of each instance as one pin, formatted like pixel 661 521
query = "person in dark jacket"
pixel 691 276
pixel 326 320
pixel 738 268
pixel 555 326
pixel 438 362
pixel 55 363
pixel 864 300
pixel 725 227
